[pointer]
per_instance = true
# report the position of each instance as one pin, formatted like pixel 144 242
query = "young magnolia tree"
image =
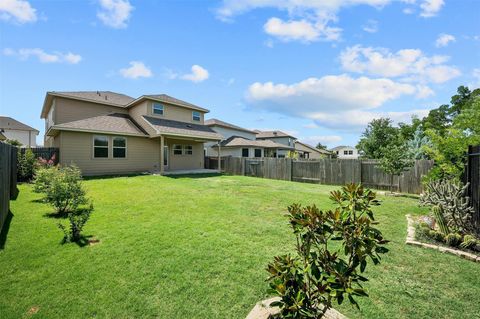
pixel 396 160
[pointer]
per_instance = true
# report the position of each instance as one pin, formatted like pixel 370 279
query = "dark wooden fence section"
pixel 325 171
pixel 44 152
pixel 8 179
pixel 472 176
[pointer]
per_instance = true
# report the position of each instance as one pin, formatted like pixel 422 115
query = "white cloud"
pixel 115 13
pixel 19 10
pixel 308 20
pixel 335 101
pixel 410 64
pixel 332 92
pixel 324 139
pixel 371 26
pixel 357 120
pixel 302 30
pixel 476 77
pixel 430 8
pixel 423 92
pixel 198 74
pixel 310 125
pixel 444 39
pixel 136 70
pixel 42 56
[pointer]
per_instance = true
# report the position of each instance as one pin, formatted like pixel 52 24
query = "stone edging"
pixel 412 241
pixel 262 310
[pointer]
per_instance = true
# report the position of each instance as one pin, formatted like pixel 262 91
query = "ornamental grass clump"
pixel 332 251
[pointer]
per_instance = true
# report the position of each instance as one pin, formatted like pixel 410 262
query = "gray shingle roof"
pixel 213 122
pixel 163 126
pixel 111 123
pixel 106 97
pixel 340 147
pixel 238 141
pixel 270 134
pixel 169 99
pixel 303 146
pixel 12 124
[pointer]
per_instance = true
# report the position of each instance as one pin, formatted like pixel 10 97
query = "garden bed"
pixel 413 240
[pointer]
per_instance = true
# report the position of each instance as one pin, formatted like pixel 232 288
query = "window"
pixel 157 109
pixel 100 147
pixel 196 116
pixel 350 152
pixel 258 152
pixel 177 149
pixel 188 149
pixel 345 152
pixel 244 152
pixel 119 147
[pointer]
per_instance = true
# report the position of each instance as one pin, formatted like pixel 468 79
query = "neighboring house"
pixel 12 129
pixel 309 152
pixel 346 152
pixel 278 137
pixel 111 133
pixel 240 142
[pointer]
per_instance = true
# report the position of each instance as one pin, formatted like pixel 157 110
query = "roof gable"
pixel 217 122
pixel 12 124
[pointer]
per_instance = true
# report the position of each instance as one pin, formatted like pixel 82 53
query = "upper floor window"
pixel 157 108
pixel 345 152
pixel 350 152
pixel 119 147
pixel 196 116
pixel 100 146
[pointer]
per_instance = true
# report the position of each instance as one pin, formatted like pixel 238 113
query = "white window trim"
pixel 125 147
pixel 185 150
pixel 107 147
pixel 174 149
pixel 199 116
pixel 153 109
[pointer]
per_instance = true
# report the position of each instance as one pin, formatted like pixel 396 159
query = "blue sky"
pixel 320 70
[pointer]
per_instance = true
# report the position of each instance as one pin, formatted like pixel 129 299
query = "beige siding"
pixel 142 155
pixel 68 110
pixel 136 113
pixel 194 161
pixel 171 112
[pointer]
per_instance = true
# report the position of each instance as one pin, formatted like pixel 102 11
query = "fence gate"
pixel 254 167
pixel 472 176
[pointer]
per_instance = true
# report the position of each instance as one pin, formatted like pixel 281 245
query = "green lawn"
pixel 197 248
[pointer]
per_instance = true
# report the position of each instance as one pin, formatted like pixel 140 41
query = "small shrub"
pixel 436 235
pixel 76 221
pixel 468 242
pixel 453 239
pixel 331 253
pixel 26 162
pixel 62 187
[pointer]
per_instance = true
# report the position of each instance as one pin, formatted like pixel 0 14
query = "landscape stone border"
pixel 412 241
pixel 262 310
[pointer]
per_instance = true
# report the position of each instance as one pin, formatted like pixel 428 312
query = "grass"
pixel 197 248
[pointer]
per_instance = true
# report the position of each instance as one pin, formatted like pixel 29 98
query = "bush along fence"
pixel 8 179
pixel 326 171
pixel 472 176
pixel 44 152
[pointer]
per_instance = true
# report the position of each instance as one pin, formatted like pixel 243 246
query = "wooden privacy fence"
pixel 326 171
pixel 8 179
pixel 472 176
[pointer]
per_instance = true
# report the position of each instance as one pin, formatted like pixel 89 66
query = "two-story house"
pixel 279 137
pixel 345 152
pixel 104 132
pixel 12 129
pixel 240 142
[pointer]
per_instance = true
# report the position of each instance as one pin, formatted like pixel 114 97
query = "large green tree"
pixel 379 135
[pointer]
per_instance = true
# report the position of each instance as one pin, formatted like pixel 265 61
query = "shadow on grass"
pixel 194 176
pixel 5 229
pixel 56 215
pixel 82 242
pixel 87 178
pixel 38 200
